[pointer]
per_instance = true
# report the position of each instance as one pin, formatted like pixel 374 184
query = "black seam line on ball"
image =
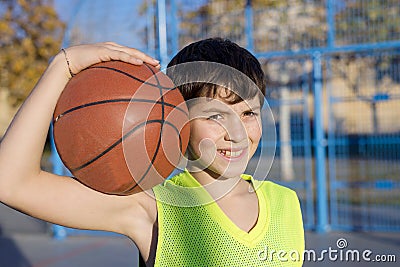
pixel 120 100
pixel 160 91
pixel 153 159
pixel 115 144
pixel 161 130
pixel 159 136
pixel 133 77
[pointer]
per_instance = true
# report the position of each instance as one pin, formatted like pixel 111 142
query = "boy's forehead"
pixel 205 104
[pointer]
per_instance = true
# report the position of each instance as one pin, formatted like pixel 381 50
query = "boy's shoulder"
pixel 274 190
pixel 267 184
pixel 272 185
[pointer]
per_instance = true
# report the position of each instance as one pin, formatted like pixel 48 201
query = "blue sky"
pixel 64 8
pixel 104 20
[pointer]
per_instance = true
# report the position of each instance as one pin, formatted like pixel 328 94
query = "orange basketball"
pixel 121 128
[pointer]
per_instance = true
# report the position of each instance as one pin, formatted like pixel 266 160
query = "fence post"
pixel 174 29
pixel 330 22
pixel 248 12
pixel 320 144
pixel 162 32
pixel 59 232
pixel 151 42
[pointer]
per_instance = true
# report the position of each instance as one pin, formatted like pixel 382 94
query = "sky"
pixel 104 20
pixel 64 8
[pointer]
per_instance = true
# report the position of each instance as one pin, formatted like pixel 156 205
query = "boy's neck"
pixel 217 187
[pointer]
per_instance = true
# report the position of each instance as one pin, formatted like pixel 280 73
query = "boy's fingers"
pixel 112 44
pixel 120 55
pixel 82 56
pixel 145 58
pixel 140 56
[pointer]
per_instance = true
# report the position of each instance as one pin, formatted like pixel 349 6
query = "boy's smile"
pixel 223 136
pixel 232 154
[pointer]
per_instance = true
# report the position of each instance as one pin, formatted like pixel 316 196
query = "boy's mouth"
pixel 231 154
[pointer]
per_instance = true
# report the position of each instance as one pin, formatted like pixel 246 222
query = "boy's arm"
pixel 62 200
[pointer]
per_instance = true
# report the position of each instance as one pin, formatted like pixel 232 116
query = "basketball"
pixel 120 128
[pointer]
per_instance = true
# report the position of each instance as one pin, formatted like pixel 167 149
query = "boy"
pixel 228 219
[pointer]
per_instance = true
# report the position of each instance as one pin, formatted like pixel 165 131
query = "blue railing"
pixel 344 135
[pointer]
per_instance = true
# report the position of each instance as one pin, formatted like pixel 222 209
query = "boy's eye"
pixel 215 117
pixel 250 114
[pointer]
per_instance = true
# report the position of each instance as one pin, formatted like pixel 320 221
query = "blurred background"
pixel 333 85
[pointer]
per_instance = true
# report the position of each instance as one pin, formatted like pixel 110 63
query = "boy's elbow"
pixel 7 188
pixel 5 193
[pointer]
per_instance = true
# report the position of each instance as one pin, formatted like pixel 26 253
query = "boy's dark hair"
pixel 225 52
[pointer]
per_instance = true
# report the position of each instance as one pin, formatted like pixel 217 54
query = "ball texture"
pixel 121 128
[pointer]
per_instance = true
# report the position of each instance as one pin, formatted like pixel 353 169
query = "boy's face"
pixel 223 137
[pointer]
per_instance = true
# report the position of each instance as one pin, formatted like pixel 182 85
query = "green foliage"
pixel 31 33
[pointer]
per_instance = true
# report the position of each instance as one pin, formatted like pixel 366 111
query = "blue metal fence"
pixel 363 146
pixel 333 86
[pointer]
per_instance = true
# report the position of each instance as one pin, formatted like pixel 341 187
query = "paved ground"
pixel 39 250
pixel 381 245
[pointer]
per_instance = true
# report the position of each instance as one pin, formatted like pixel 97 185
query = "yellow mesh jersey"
pixel 194 231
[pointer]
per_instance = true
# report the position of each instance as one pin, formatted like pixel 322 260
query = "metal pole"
pixel 60 232
pixel 248 12
pixel 162 32
pixel 309 222
pixel 320 145
pixel 151 47
pixel 330 20
pixel 174 28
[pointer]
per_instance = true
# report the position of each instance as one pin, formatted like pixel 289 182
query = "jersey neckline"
pixel 256 234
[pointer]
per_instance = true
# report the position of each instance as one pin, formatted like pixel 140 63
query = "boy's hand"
pixel 82 56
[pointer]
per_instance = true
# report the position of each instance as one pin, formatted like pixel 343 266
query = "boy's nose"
pixel 235 131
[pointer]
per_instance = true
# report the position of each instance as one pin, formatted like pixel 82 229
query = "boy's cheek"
pixel 254 130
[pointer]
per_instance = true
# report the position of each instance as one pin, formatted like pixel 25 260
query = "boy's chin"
pixel 227 172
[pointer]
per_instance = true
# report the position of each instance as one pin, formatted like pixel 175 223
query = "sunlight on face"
pixel 223 136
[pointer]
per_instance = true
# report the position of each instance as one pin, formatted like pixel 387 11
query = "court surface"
pixel 40 250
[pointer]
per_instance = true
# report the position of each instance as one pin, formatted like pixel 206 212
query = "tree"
pixel 31 33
